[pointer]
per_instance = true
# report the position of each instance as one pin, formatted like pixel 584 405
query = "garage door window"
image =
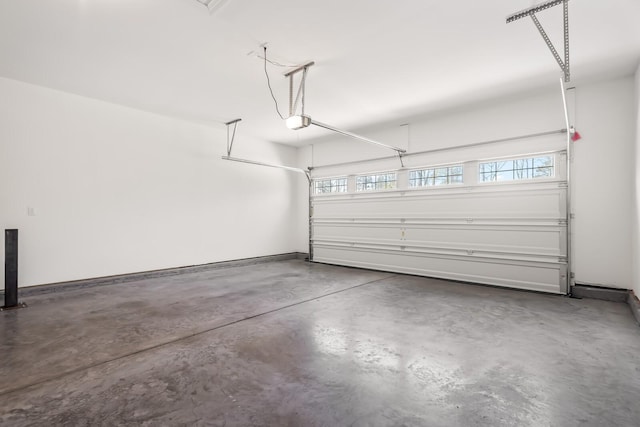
pixel 330 185
pixel 435 176
pixel 517 169
pixel 382 181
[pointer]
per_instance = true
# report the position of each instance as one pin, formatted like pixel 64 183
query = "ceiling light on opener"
pixel 298 122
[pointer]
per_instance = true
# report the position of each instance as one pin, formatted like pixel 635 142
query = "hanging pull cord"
pixel 266 73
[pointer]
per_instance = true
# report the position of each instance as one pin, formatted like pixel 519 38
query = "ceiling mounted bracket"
pixel 231 137
pixel 564 64
pixel 293 105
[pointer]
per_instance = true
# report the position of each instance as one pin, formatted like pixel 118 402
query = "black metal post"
pixel 10 268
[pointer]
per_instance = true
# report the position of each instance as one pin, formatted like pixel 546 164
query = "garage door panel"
pixel 544 203
pixel 545 277
pixel 525 239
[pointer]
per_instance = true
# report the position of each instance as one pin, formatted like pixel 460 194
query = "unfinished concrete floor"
pixel 290 343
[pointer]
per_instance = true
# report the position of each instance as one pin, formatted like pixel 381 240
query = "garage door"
pixel 493 214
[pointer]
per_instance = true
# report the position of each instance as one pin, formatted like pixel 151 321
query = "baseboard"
pixel 131 277
pixel 601 293
pixel 634 304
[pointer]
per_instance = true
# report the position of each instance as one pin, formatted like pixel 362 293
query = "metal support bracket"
pixel 564 64
pixel 293 105
pixel 233 135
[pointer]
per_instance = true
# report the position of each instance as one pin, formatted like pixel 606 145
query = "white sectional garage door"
pixel 486 230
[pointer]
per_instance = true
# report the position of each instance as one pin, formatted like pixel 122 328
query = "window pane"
pixel 376 182
pixel 516 169
pixel 490 167
pixel 456 179
pixel 330 185
pixel 436 176
pixel 488 177
pixel 542 172
pixel 440 172
pixel 505 165
pixel 543 161
pixel 505 176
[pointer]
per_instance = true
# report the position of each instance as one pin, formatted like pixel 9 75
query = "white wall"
pixel 116 190
pixel 635 253
pixel 603 182
pixel 602 163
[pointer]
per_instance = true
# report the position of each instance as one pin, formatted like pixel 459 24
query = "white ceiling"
pixel 376 61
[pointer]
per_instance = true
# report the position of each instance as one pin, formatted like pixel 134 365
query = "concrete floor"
pixel 290 343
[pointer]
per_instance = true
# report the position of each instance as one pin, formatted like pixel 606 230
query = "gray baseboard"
pixel 578 291
pixel 597 292
pixel 634 304
pixel 131 277
pixel 608 294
